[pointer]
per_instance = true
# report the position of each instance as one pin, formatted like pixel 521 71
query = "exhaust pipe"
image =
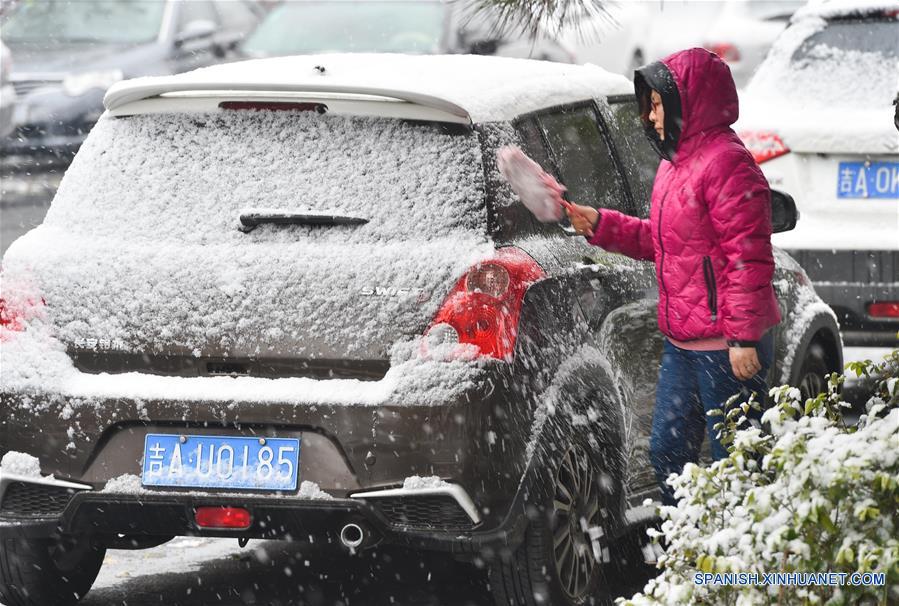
pixel 352 536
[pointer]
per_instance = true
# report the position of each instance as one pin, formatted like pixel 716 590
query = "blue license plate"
pixel 221 462
pixel 868 180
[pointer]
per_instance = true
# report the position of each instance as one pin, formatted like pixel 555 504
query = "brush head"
pixel 538 190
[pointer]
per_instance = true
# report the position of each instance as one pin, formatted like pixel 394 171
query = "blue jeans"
pixel 691 383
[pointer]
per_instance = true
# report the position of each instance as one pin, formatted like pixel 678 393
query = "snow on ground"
pixel 181 554
pixel 857 354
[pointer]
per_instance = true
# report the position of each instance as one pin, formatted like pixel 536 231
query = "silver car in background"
pixel 418 27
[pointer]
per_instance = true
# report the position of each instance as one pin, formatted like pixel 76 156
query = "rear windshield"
pixel 187 177
pixel 848 63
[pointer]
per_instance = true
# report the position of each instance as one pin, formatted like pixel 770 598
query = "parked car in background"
pixel 390 26
pixel 818 116
pixel 226 326
pixel 640 32
pixel 7 93
pixel 744 31
pixel 739 31
pixel 68 53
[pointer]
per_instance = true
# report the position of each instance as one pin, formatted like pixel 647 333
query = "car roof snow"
pixel 832 9
pixel 450 88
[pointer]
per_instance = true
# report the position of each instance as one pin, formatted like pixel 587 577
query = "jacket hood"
pixel 656 76
pixel 705 91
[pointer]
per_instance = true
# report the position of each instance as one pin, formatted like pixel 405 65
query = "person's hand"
pixel 583 218
pixel 744 361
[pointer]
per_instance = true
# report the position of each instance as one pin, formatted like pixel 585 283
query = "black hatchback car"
pixel 292 297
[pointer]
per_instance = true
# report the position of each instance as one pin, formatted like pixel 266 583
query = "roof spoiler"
pixel 123 94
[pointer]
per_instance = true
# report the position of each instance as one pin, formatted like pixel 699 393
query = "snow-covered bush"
pixel 804 493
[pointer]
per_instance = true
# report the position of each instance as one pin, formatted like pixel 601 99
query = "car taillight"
pixel 764 145
pixel 884 309
pixel 727 51
pixel 222 517
pixel 14 316
pixel 485 304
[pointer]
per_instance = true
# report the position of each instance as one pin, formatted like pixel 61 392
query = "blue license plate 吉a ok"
pixel 221 462
pixel 868 180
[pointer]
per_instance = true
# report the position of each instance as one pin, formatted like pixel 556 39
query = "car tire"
pixel 811 379
pixel 542 570
pixel 45 572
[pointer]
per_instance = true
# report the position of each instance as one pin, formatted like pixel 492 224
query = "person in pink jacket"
pixel 709 234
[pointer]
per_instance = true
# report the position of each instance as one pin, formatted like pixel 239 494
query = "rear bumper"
pixel 849 280
pixel 147 515
pixel 850 303
pixel 348 450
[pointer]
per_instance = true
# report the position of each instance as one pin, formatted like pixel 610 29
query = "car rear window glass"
pixel 583 159
pixel 849 63
pixel 188 176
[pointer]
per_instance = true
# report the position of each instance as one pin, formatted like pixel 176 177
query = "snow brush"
pixel 539 191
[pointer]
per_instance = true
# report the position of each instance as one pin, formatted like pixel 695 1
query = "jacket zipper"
pixel 662 263
pixel 708 272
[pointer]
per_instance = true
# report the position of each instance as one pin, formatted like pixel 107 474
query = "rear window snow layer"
pixel 187 177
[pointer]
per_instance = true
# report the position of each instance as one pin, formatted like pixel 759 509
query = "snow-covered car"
pixel 292 298
pixel 818 117
pixel 392 26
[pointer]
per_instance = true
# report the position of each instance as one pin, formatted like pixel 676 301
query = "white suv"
pixel 818 116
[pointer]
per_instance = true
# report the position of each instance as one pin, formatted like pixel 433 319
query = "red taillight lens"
pixel 13 316
pixel 222 517
pixel 764 145
pixel 484 306
pixel 884 309
pixel 8 319
pixel 727 51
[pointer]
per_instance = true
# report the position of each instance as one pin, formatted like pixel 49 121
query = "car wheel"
pixel 562 560
pixel 45 572
pixel 812 373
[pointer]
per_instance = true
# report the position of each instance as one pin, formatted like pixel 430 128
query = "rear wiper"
pixel 250 219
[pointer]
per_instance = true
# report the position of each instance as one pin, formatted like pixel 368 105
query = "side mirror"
pixel 783 212
pixel 195 30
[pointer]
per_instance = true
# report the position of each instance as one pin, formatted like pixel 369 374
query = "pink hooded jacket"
pixel 709 230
